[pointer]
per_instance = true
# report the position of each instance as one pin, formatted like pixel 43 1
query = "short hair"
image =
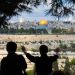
pixel 43 49
pixel 11 47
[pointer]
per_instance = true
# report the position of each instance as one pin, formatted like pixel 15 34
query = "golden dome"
pixel 43 22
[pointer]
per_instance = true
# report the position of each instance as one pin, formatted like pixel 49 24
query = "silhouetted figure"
pixel 13 64
pixel 59 72
pixel 43 64
pixel 0 68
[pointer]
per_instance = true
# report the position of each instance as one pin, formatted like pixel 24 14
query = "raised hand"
pixel 57 50
pixel 23 49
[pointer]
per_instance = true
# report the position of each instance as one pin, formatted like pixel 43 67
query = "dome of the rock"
pixel 43 22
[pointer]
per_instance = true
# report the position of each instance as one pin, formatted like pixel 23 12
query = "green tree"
pixel 34 50
pixel 67 67
pixel 72 62
pixel 9 8
pixel 72 45
pixel 63 46
pixel 57 30
pixel 72 66
pixel 31 31
pixel 21 30
pixel 55 66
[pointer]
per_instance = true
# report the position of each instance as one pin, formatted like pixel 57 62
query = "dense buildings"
pixel 44 24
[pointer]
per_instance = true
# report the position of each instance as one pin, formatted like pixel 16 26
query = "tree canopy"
pixel 58 8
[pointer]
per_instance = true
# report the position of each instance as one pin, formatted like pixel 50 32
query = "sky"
pixel 38 14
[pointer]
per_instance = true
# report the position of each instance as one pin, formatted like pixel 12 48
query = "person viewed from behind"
pixel 43 64
pixel 13 64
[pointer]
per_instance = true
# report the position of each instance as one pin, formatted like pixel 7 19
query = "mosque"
pixel 42 24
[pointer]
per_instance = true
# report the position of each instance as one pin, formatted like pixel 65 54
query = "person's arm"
pixel 3 72
pixel 29 56
pixel 23 62
pixel 56 55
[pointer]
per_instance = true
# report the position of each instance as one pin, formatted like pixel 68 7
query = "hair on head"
pixel 11 47
pixel 43 49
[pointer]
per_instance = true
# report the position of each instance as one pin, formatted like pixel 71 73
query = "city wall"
pixel 36 37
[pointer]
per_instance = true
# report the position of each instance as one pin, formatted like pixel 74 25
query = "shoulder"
pixel 21 59
pixel 4 60
pixel 20 56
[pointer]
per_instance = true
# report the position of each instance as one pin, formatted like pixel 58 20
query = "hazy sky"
pixel 37 14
